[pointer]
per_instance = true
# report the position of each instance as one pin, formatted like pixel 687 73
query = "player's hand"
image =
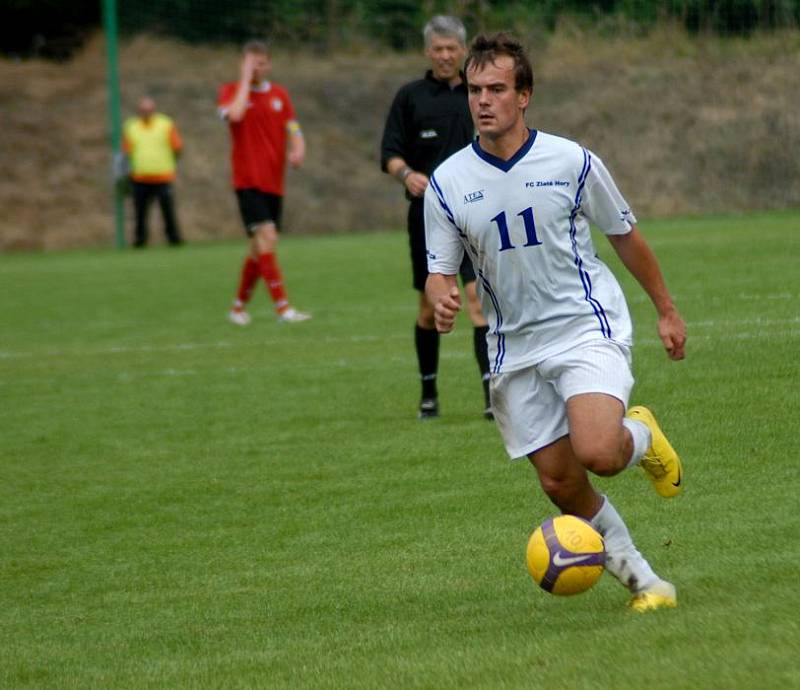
pixel 416 183
pixel 248 66
pixel 672 331
pixel 297 152
pixel 295 158
pixel 446 309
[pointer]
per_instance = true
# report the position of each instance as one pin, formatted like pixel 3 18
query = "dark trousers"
pixel 143 194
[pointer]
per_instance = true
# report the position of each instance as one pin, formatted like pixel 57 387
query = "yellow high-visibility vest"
pixel 151 146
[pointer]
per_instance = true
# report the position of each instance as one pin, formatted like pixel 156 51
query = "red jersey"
pixel 258 151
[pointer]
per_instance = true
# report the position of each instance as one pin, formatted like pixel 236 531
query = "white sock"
pixel 642 438
pixel 623 561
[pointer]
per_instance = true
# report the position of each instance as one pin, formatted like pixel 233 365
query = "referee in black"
pixel 429 120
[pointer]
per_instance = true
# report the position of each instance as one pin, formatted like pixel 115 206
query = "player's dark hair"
pixel 486 49
pixel 256 47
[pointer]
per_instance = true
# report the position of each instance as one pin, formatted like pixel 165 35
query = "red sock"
pixel 250 273
pixel 271 272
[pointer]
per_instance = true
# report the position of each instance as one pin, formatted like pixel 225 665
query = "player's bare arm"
pixel 238 106
pixel 640 261
pixel 415 182
pixel 297 144
pixel 442 292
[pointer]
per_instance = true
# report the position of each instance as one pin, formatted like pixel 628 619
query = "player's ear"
pixel 524 98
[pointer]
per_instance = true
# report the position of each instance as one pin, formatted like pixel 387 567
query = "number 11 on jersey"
pixel 531 239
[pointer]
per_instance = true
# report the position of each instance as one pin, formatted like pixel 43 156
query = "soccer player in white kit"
pixel 519 202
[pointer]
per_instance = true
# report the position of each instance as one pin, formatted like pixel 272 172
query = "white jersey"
pixel 525 225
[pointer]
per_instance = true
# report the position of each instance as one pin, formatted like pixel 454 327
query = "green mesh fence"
pixel 54 29
pixel 395 23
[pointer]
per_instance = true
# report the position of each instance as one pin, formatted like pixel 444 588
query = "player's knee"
pixel 602 459
pixel 265 238
pixel 559 489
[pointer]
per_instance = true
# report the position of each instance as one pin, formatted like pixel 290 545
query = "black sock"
pixel 427 343
pixel 482 355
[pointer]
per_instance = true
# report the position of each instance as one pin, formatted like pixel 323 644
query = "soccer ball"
pixel 565 555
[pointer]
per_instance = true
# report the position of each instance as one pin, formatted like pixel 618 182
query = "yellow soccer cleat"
pixel 660 461
pixel 661 595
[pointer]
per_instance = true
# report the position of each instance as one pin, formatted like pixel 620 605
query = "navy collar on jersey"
pixel 505 166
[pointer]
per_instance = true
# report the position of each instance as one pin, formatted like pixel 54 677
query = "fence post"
pixel 115 118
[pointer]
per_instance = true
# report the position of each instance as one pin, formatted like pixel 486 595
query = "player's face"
pixel 497 107
pixel 446 55
pixel 262 66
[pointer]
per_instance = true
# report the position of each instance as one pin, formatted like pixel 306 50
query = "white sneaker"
pixel 291 315
pixel 239 316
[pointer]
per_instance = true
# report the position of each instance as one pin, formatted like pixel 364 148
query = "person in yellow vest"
pixel 152 143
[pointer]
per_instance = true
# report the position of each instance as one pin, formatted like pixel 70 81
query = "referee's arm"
pixel 395 148
pixel 415 182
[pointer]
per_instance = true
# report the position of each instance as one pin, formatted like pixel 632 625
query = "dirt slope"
pixel 686 126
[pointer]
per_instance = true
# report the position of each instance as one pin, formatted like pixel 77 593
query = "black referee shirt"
pixel 428 122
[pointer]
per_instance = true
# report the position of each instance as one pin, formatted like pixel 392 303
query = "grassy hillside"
pixel 686 125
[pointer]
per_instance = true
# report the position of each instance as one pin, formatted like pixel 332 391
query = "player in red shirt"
pixel 264 135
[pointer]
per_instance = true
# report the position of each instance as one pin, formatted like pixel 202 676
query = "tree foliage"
pixel 397 23
pixel 51 28
pixel 31 26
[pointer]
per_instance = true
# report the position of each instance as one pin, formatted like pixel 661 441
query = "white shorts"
pixel 529 405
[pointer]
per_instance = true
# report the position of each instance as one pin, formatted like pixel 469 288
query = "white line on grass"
pixel 752 296
pixel 726 325
pixel 181 347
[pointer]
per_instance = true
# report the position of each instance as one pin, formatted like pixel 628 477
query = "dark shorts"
pixel 419 253
pixel 257 208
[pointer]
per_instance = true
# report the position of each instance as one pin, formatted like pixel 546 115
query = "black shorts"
pixel 419 253
pixel 257 208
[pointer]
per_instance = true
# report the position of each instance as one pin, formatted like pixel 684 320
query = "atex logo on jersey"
pixel 473 196
pixel 428 134
pixel 277 104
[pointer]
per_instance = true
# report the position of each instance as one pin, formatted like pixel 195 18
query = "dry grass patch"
pixel 686 125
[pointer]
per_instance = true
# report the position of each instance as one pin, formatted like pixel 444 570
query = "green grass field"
pixel 184 503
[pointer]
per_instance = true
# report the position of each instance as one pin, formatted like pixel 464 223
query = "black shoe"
pixel 488 414
pixel 428 408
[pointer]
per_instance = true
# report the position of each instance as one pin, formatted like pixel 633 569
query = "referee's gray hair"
pixel 445 25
